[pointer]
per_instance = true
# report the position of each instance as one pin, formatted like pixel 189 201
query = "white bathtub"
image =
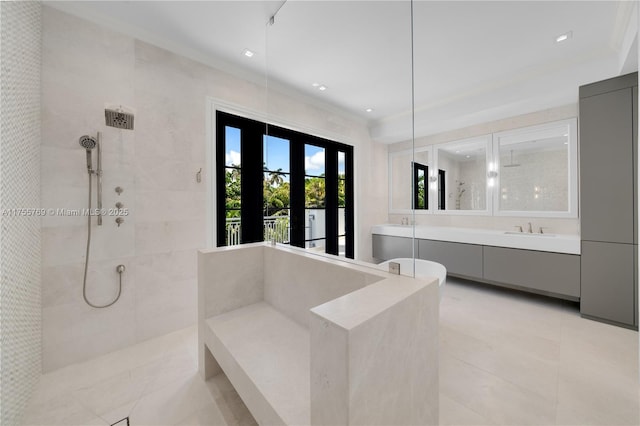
pixel 424 268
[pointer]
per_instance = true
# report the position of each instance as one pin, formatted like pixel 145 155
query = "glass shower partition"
pixel 350 64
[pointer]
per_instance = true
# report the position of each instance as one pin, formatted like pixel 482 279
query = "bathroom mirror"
pixel 462 176
pixel 537 170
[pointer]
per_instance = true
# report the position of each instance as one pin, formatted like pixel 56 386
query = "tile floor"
pixel 507 358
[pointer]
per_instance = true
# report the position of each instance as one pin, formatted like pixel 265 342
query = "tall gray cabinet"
pixel 608 199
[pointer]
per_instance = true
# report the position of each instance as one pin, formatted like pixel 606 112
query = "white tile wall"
pixel 85 66
pixel 20 299
pixel 546 170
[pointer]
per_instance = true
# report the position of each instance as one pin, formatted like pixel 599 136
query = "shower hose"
pixel 86 261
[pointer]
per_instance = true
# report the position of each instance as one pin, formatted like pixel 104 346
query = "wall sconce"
pixel 433 180
pixel 492 175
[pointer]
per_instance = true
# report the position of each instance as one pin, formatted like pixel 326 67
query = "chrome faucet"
pixel 519 227
pixel 530 228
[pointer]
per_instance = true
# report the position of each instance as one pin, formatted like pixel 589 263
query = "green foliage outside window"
pixel 276 193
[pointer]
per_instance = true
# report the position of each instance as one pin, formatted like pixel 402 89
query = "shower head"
pixel 88 143
pixel 511 163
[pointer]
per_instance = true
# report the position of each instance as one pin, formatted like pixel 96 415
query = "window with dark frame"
pixel 442 189
pixel 279 184
pixel 420 186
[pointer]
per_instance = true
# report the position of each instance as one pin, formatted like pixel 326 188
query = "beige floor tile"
pixel 207 416
pixel 172 403
pixel 63 410
pixel 510 362
pixel 492 397
pixel 454 414
pixel 119 390
pixel 593 392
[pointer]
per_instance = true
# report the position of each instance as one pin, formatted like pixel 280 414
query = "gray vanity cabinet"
pixel 607 292
pixel 459 259
pixel 608 197
pixel 549 273
pixel 387 247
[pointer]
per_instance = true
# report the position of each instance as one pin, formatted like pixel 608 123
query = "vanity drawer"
pixel 386 247
pixel 546 272
pixel 458 258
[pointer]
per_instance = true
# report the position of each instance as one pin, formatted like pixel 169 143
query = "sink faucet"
pixel 530 229
pixel 519 227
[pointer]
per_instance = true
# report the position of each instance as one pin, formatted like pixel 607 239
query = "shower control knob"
pixel 119 190
pixel 120 269
pixel 119 205
pixel 119 221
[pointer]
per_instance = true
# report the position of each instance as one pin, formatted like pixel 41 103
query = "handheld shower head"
pixel 88 143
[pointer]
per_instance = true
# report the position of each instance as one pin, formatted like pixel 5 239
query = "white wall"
pixel 553 225
pixel 84 66
pixel 20 303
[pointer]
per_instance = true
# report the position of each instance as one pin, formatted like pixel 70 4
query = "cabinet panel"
pixel 608 281
pixel 609 85
pixel 606 167
pixel 459 259
pixel 548 272
pixel 634 115
pixel 387 247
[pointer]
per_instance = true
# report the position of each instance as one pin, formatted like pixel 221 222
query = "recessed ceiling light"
pixel 369 109
pixel 248 53
pixel 315 84
pixel 564 37
pixel 468 156
pixel 322 87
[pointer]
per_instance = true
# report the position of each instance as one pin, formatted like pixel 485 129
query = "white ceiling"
pixel 474 61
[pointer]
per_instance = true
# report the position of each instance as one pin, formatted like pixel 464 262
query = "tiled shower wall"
pixel 20 305
pixel 84 67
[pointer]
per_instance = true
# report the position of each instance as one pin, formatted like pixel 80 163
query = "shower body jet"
pixel 99 178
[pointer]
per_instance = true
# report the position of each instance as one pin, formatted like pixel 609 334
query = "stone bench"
pixel 306 339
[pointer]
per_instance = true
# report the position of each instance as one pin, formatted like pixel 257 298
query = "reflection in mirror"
pixel 462 173
pixel 420 189
pixel 535 168
pixel 404 180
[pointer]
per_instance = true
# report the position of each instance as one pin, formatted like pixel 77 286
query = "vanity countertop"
pixel 558 243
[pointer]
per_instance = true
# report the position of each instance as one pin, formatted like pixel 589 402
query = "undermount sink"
pixel 529 234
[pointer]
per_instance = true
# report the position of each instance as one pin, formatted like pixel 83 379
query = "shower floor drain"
pixel 123 422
